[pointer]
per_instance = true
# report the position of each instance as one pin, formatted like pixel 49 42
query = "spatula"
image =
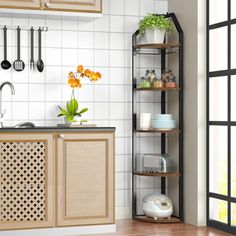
pixel 18 64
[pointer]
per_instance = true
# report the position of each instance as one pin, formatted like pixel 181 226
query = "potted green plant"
pixel 155 27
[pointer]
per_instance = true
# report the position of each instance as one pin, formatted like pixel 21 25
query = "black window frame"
pixel 228 73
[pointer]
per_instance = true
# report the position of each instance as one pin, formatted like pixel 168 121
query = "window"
pixel 221 114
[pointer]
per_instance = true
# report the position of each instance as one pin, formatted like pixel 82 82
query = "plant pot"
pixel 155 36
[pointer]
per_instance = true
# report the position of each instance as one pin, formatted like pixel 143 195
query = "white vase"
pixel 155 36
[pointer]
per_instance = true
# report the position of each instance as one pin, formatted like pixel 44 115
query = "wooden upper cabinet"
pixel 90 6
pixel 22 4
pixel 73 5
pixel 26 180
pixel 85 179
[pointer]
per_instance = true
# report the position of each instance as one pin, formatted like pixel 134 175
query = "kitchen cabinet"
pixel 56 177
pixel 55 5
pixel 85 179
pixel 26 181
pixel 73 5
pixel 23 4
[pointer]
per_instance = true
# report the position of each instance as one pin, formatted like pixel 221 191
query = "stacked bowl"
pixel 164 122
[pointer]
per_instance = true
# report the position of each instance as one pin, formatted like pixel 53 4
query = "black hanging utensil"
pixel 32 49
pixel 5 63
pixel 40 64
pixel 18 64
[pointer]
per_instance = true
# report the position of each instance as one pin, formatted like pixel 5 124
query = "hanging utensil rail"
pixel 12 27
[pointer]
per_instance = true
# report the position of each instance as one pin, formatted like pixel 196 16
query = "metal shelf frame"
pixel 163 51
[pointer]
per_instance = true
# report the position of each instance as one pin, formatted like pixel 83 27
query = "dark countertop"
pixel 56 129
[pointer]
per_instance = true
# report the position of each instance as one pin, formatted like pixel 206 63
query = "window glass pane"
pixel 218 49
pixel 218 98
pixel 233 9
pixel 218 210
pixel 218 159
pixel 233 214
pixel 233 162
pixel 218 11
pixel 233 98
pixel 233 45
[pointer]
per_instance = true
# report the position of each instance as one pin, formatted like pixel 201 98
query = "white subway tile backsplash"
pixel 103 45
pixel 101 57
pixel 53 38
pixel 37 92
pixel 117 7
pixel 101 40
pixel 53 74
pixel 120 198
pixel 86 57
pixel 117 111
pixel 69 24
pixel 120 163
pixel 22 92
pixel 69 39
pixel 51 110
pixel 117 93
pixel 117 75
pixel 86 39
pixel 86 93
pixel 7 106
pixel 53 92
pixel 20 110
pixel 84 25
pixel 69 57
pixel 131 24
pixel 132 7
pixel 146 6
pixel 120 127
pixel 117 41
pixel 36 111
pixel 117 58
pixel 101 93
pixel 102 24
pixel 101 111
pixel 53 56
pixel 117 23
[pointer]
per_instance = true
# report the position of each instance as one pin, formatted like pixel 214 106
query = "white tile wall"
pixel 104 45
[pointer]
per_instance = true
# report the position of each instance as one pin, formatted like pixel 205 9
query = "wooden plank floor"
pixel 136 228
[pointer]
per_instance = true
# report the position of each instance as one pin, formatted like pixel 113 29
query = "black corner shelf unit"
pixel 163 50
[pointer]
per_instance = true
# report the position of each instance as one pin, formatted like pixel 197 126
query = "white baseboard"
pixel 123 213
pixel 95 229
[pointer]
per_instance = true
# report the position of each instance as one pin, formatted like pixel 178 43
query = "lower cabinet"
pixel 85 179
pixel 26 181
pixel 53 179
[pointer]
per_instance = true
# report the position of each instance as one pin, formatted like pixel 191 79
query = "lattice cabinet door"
pixel 85 177
pixel 26 180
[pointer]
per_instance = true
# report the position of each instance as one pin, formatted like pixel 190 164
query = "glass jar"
pixel 150 75
pixel 145 83
pixel 158 83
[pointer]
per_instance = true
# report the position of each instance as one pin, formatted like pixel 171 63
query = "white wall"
pixel 105 46
pixel 191 14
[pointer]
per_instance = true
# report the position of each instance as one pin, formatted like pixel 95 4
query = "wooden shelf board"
pixel 172 131
pixel 170 174
pixel 173 219
pixel 157 89
pixel 157 46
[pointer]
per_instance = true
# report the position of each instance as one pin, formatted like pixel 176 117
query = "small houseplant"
pixel 71 111
pixel 155 27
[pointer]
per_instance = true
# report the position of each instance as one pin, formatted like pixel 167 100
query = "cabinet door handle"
pixel 47 4
pixel 61 136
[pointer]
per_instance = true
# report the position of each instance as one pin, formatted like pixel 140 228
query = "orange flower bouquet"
pixel 74 80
